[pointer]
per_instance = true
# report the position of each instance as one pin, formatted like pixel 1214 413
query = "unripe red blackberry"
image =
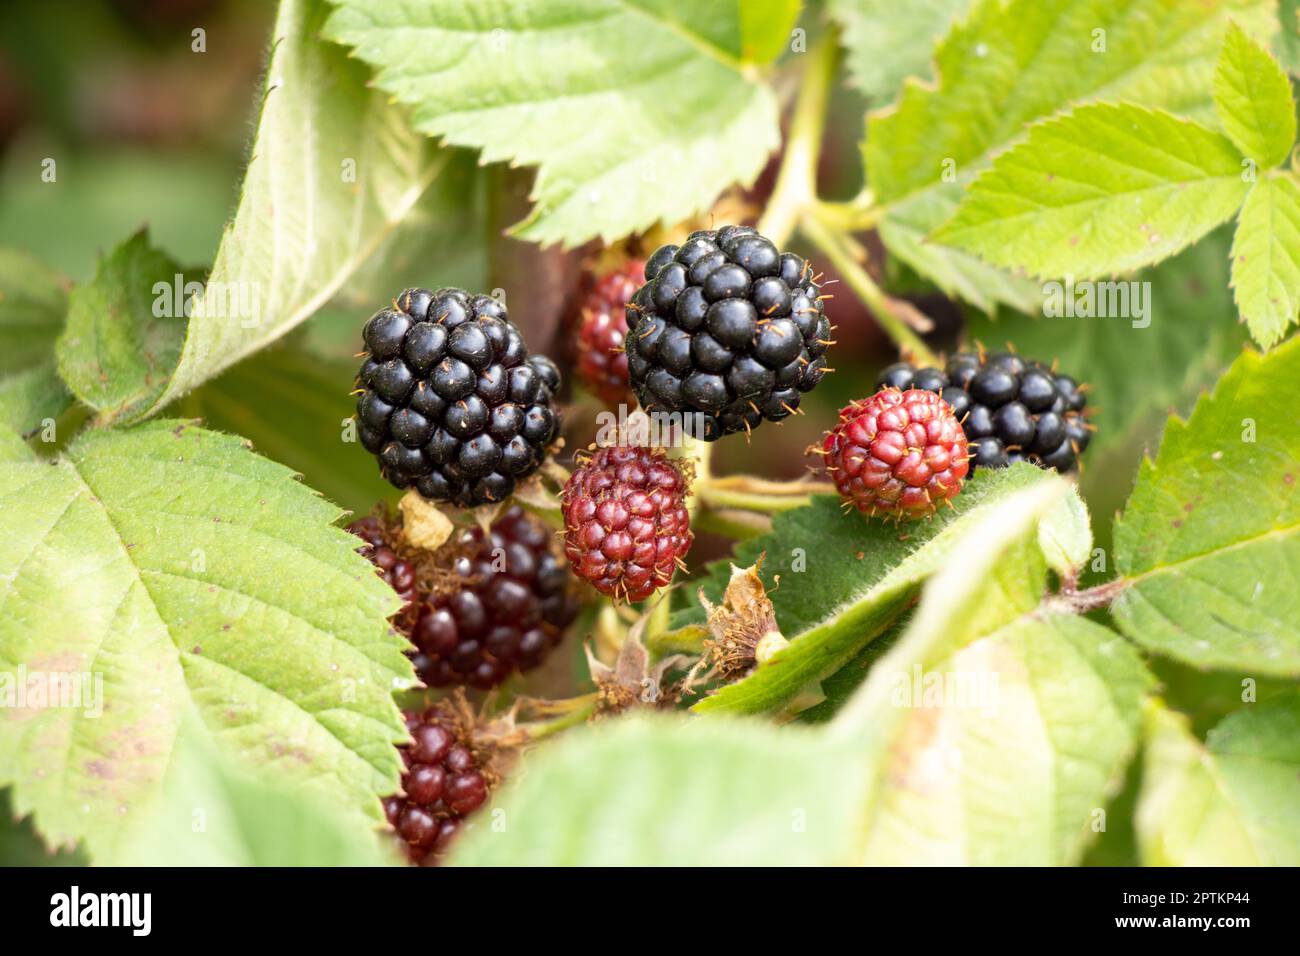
pixel 626 527
pixel 492 605
pixel 450 400
pixel 602 362
pixel 726 327
pixel 897 453
pixel 443 783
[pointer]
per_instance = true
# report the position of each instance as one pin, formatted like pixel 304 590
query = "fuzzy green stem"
pixel 715 497
pixel 851 271
pixel 684 640
pixel 698 453
pixel 733 524
pixel 580 710
pixel 856 215
pixel 795 191
pixel 657 616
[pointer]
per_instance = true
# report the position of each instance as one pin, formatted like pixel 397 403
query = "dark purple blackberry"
pixel 445 780
pixel 397 572
pixel 512 607
pixel 726 327
pixel 488 606
pixel 450 401
pixel 1012 409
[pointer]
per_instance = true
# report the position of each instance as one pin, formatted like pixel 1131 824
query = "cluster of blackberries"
pixel 499 604
pixel 443 783
pixel 1011 409
pixel 450 400
pixel 728 327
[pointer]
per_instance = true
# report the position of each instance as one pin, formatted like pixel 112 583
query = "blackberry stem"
pixel 698 453
pixel 1090 599
pixel 716 497
pixel 795 191
pixel 657 616
pixel 568 713
pixel 858 214
pixel 685 640
pixel 735 524
pixel 835 249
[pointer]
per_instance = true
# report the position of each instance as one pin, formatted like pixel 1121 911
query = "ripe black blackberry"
pixel 450 400
pixel 1012 409
pixel 488 605
pixel 729 327
pixel 445 781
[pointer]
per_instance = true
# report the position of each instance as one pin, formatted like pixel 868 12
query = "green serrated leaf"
pixel 1065 536
pixel 210 813
pixel 1213 582
pixel 1011 63
pixel 1014 62
pixel 20 845
pixel 33 303
pixel 905 231
pixel 1266 258
pixel 1234 801
pixel 1139 365
pixel 186 575
pixel 842 582
pixel 886 42
pixel 669 791
pixel 1252 97
pixel 334 168
pixel 1105 189
pixel 633 112
pixel 996 731
pixel 124 334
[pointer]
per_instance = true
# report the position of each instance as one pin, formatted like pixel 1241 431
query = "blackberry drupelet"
pixel 626 527
pixel 496 604
pixel 443 783
pixel 728 327
pixel 451 402
pixel 1011 408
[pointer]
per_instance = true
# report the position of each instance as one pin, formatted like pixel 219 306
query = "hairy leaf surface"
pixel 633 111
pixel 1210 538
pixel 185 575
